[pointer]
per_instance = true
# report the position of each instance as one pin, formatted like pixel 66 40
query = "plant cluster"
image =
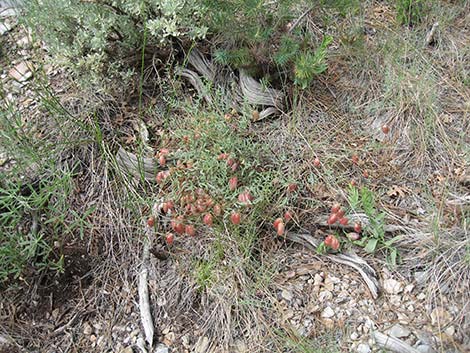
pixel 212 177
pixel 101 40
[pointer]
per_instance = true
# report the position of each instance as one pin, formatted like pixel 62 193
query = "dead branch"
pixel 393 344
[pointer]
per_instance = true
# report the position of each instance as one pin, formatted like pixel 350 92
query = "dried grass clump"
pixel 442 260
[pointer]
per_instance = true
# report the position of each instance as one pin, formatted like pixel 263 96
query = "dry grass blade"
pixel 349 259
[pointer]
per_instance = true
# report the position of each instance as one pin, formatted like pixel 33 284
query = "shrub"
pixel 101 39
pixel 261 39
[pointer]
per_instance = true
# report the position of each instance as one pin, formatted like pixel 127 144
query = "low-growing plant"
pixel 215 178
pixel 373 234
pixel 410 12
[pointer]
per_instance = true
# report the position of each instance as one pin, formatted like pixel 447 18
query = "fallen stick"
pixel 392 343
pixel 144 302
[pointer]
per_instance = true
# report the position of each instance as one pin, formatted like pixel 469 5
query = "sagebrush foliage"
pixel 101 40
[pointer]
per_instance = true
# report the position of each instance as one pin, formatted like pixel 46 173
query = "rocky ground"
pixel 309 295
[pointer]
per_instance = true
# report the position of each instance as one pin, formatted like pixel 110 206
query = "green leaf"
pixel 371 245
pixel 321 249
pixel 391 241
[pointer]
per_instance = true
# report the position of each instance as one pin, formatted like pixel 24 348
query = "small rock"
pixel 398 331
pixel 55 313
pixel 330 283
pixel 134 332
pixel 450 331
pixel 317 280
pixel 327 312
pixel 8 12
pixel 169 338
pixel 328 323
pixel 420 277
pixel 363 348
pixel 185 341
pixel 4 28
pixel 424 348
pixel 325 295
pixel 161 348
pixel 201 345
pixel 392 286
pixel 240 347
pixel 93 338
pixel 5 342
pixel 288 314
pixel 87 329
pixel 421 296
pixel 290 274
pixel 409 288
pixel 24 42
pixel 440 316
pixel 21 72
pixel 354 336
pixel 287 295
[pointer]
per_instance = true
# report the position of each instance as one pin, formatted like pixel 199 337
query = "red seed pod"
pixel 280 228
pixel 385 129
pixel 179 228
pixel 332 219
pixel 292 187
pixel 357 227
pixel 151 221
pixel 217 210
pixel 355 158
pixel 353 236
pixel 235 218
pixel 233 183
pixel 287 216
pixel 340 213
pixel 332 242
pixel 316 162
pixel 164 152
pixel 343 221
pixel 335 208
pixel 245 197
pixel 190 230
pixel 365 174
pixel 170 238
pixel 207 219
pixel 277 222
pixel 222 156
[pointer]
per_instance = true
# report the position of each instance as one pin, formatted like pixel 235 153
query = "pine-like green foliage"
pixel 288 50
pixel 309 64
